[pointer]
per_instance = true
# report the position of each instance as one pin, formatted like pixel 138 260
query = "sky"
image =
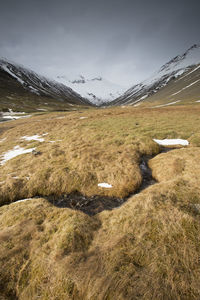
pixel 124 41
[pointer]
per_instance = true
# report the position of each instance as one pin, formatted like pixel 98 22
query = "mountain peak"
pixel 96 89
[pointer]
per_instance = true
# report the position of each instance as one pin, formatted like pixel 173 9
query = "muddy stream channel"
pixel 95 204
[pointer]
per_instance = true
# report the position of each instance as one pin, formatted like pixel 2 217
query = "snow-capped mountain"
pixel 186 63
pixel 40 85
pixel 97 90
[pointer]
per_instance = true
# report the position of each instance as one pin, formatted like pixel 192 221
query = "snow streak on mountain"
pixel 173 69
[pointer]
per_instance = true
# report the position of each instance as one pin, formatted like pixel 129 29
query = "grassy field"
pixel 148 248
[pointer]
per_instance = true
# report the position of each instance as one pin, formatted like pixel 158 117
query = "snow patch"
pixel 81 118
pixel 105 185
pixel 135 105
pixel 55 141
pixel 17 150
pixel 186 87
pixel 11 115
pixel 23 200
pixel 171 103
pixel 35 137
pixel 169 142
pixel 143 97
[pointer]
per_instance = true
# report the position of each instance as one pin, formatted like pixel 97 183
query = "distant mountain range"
pixel 97 90
pixel 177 79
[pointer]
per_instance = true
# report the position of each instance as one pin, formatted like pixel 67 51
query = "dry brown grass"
pixel 149 248
pixel 101 148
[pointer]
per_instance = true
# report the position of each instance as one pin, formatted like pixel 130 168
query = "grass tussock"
pixel 148 248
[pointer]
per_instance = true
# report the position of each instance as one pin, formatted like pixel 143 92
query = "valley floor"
pixel 141 243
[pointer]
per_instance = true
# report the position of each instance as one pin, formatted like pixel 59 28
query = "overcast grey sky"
pixel 123 41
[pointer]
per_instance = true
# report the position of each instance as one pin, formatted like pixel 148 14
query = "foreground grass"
pixel 146 249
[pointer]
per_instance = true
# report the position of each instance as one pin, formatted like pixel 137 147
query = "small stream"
pixel 96 204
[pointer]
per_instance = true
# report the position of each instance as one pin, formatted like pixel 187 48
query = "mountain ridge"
pixel 173 69
pixel 37 85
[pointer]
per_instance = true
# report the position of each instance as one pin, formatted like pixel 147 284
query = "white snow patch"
pixel 23 200
pixel 198 101
pixel 11 117
pixel 171 103
pixel 186 87
pixel 33 90
pixel 81 118
pixel 105 185
pixel 143 97
pixel 14 115
pixel 169 142
pixel 55 141
pixel 35 137
pixel 135 105
pixel 17 150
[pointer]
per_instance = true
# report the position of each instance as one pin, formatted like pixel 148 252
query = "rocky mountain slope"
pixel 97 90
pixel 178 79
pixel 20 84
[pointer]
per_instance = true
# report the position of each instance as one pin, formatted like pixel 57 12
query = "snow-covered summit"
pixel 96 89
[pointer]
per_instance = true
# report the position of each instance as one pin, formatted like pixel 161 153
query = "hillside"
pixel 177 80
pixel 24 90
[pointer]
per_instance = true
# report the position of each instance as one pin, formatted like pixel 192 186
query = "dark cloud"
pixel 124 41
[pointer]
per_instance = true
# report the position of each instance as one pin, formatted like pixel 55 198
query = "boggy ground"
pixel 148 248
